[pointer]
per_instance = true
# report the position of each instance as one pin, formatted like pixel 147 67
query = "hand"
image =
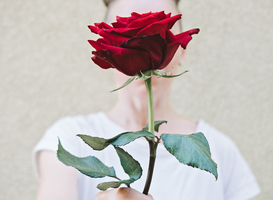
pixel 122 193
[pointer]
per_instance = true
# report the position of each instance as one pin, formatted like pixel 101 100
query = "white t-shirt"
pixel 171 180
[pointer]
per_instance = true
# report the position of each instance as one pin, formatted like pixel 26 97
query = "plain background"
pixel 46 73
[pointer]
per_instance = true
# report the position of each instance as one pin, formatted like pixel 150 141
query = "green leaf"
pixel 125 84
pixel 113 184
pixel 90 166
pixel 95 143
pixel 127 137
pixel 192 150
pixel 156 125
pixel 104 186
pixel 164 74
pixel 129 164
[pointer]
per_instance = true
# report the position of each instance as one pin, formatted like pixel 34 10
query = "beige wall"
pixel 46 73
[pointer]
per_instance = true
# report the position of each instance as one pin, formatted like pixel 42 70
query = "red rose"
pixel 138 43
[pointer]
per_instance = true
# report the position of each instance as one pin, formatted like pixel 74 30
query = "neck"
pixel 132 112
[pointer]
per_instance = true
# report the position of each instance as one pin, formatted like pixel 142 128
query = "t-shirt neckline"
pixel 199 124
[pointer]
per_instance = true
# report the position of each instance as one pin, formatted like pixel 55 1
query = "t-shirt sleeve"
pixel 66 130
pixel 240 183
pixel 235 175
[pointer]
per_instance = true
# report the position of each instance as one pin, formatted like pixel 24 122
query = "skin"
pixel 59 182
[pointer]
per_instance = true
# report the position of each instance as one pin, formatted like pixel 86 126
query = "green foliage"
pixel 114 184
pixel 93 167
pixel 122 139
pixel 90 166
pixel 164 74
pixel 129 164
pixel 95 143
pixel 192 150
pixel 145 75
pixel 125 84
pixel 156 125
pixel 127 137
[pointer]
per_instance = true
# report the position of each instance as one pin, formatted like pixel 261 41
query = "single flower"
pixel 138 43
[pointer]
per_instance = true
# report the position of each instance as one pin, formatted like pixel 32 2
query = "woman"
pixel 171 180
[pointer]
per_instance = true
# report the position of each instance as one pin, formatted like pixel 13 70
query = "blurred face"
pixel 124 8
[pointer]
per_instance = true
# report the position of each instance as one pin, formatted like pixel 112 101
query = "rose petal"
pixel 96 44
pixel 184 38
pixel 147 20
pixel 128 61
pixel 170 21
pixel 131 62
pixel 170 37
pixel 160 26
pixel 103 25
pixel 155 45
pixel 154 29
pixel 136 16
pixel 102 63
pixel 104 59
pixel 144 21
pixel 138 43
pixel 115 39
pixel 169 54
pixel 126 32
pixel 123 22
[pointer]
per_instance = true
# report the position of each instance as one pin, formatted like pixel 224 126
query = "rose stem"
pixel 152 144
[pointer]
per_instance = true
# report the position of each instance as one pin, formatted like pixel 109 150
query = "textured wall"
pixel 46 73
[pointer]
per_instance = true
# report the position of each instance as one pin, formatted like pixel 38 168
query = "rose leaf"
pixel 129 164
pixel 156 125
pixel 113 184
pixel 90 165
pixel 127 137
pixel 95 143
pixel 192 150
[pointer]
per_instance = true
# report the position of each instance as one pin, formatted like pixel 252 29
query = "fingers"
pixel 122 193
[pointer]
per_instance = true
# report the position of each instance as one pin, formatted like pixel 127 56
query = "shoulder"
pixel 217 139
pixel 234 173
pixel 76 124
pixel 223 150
pixel 66 129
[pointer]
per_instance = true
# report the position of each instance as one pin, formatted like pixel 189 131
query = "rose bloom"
pixel 138 43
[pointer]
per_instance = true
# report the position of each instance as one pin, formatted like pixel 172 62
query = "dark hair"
pixel 107 2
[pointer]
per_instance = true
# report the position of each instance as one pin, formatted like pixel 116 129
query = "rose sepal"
pixel 125 84
pixel 165 75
